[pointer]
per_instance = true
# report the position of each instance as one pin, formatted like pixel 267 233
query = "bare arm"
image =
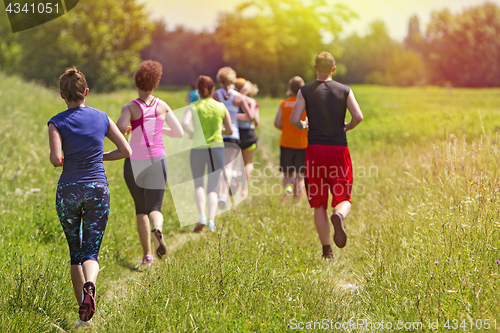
pixel 55 142
pixel 298 110
pixel 353 107
pixel 257 115
pixel 175 130
pixel 228 130
pixel 254 106
pixel 124 120
pixel 186 120
pixel 241 102
pixel 278 121
pixel 122 150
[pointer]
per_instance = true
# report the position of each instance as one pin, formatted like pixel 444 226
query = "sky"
pixel 202 14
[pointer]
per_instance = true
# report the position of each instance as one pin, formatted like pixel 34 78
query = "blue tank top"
pixel 82 131
pixel 233 110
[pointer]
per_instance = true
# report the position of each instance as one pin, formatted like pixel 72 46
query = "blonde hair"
pixel 73 85
pixel 226 76
pixel 324 62
pixel 251 90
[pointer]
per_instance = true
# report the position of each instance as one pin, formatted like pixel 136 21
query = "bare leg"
pixel 212 205
pixel 90 270
pixel 248 161
pixel 144 233
pixel 78 280
pixel 229 155
pixel 343 208
pixel 322 225
pixel 199 196
pixel 156 218
pixel 299 186
pixel 82 273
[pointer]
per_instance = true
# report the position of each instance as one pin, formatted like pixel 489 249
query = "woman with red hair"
pixel 145 171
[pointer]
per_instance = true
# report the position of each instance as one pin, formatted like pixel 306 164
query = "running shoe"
pixel 222 201
pixel 161 249
pixel 339 236
pixel 80 323
pixel 327 252
pixel 200 224
pixel 87 308
pixel 147 260
pixel 211 225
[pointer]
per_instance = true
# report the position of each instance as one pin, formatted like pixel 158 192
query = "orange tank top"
pixel 291 137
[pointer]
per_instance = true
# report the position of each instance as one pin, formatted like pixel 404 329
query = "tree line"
pixel 266 41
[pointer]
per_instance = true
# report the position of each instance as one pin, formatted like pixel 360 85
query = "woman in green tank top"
pixel 207 117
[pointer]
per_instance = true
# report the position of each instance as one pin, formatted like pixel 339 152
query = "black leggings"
pixel 146 199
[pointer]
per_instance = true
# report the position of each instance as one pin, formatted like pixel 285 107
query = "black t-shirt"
pixel 326 105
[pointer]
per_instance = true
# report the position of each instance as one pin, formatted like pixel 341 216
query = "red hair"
pixel 148 75
pixel 205 86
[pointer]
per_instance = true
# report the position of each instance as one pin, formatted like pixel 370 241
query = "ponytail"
pixel 73 85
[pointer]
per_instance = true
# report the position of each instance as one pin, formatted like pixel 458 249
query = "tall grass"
pixel 423 234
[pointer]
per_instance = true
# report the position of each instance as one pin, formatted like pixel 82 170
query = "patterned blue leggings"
pixel 87 201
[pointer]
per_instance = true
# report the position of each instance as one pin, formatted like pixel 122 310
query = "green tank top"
pixel 208 116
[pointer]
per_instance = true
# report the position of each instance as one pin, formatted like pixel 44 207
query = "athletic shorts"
pixel 328 170
pixel 247 138
pixel 83 210
pixel 211 159
pixel 230 142
pixel 146 198
pixel 292 160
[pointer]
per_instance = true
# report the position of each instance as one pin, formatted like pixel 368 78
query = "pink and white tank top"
pixel 146 140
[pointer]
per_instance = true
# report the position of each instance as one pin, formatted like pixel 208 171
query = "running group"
pixel 221 124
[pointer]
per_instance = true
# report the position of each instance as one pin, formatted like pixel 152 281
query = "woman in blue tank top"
pixel 233 101
pixel 82 198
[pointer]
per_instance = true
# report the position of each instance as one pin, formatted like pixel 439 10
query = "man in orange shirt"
pixel 293 143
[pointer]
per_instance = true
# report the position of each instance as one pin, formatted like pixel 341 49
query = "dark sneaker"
pixel 339 236
pixel 161 250
pixel 327 252
pixel 87 308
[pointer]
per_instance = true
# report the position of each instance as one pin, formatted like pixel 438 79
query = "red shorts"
pixel 328 170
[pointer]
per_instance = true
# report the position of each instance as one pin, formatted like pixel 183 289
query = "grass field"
pixel 423 234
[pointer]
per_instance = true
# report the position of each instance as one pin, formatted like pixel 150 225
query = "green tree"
pixel 464 49
pixel 9 49
pixel 274 40
pixel 367 54
pixel 184 54
pixel 414 40
pixel 101 37
pixel 403 68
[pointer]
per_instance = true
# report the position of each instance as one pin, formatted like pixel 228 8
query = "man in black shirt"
pixel 328 161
